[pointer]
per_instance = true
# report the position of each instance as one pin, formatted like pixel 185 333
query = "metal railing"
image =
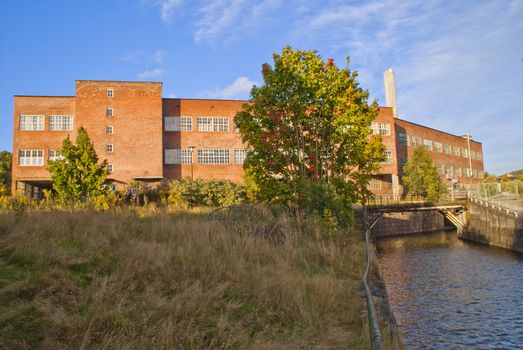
pixel 373 320
pixel 505 205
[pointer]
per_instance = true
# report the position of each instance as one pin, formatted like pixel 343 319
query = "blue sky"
pixel 458 64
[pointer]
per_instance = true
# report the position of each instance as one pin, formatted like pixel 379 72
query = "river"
pixel 450 294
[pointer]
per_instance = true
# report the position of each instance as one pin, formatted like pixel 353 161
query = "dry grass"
pixel 251 278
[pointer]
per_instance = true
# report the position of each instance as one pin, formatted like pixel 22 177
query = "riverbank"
pixel 249 278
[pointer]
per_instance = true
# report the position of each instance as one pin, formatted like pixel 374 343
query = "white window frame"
pixel 479 156
pixel 109 112
pixel 212 124
pixel 31 157
pixel 447 149
pixel 182 123
pixel 32 122
pixel 374 184
pixel 214 156
pixel 109 129
pixel 427 144
pixel 403 139
pixel 110 93
pixel 438 147
pixel 456 151
pixel 110 168
pixel 389 157
pixel 380 128
pixel 459 172
pixel 109 148
pixel 465 153
pixel 178 156
pixel 54 154
pixel 239 155
pixel 416 141
pixel 61 122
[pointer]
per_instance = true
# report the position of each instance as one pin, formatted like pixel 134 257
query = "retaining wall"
pixel 393 224
pixel 494 227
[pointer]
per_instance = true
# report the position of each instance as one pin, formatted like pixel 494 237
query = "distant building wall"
pixel 393 224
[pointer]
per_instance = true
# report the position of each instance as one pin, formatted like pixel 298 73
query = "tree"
pixel 309 125
pixel 5 172
pixel 78 176
pixel 421 176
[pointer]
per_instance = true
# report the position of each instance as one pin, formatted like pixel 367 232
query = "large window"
pixel 447 149
pixel 439 166
pixel 456 151
pixel 458 172
pixel 213 156
pixel 178 123
pixel 416 141
pixel 213 124
pixel 374 184
pixel 427 144
pixel 178 156
pixel 55 154
pixel 31 122
pixel 60 122
pixel 479 156
pixel 388 157
pixel 438 147
pixel 380 128
pixel 465 152
pixel 239 155
pixel 31 157
pixel 404 139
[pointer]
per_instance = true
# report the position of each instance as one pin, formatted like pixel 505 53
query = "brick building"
pixel 147 138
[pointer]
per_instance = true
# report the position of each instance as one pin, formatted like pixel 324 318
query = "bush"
pixel 212 193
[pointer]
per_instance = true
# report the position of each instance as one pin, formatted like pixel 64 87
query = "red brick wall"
pixel 203 140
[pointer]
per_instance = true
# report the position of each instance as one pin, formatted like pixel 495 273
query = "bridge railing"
pixel 503 204
pixel 412 200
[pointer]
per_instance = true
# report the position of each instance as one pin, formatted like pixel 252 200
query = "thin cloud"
pixel 136 57
pixel 167 8
pixel 239 89
pixel 152 73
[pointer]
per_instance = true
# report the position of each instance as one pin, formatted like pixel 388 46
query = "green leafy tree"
pixel 5 172
pixel 421 176
pixel 309 126
pixel 78 176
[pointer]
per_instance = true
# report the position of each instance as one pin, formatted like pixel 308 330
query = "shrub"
pixel 211 193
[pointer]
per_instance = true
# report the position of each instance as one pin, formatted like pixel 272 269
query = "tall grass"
pixel 250 277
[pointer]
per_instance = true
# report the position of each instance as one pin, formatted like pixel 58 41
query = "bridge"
pixel 424 220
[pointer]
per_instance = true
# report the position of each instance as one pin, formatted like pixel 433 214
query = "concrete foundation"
pixel 393 224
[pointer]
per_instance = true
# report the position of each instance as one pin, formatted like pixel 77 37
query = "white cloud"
pixel 167 8
pixel 152 73
pixel 239 89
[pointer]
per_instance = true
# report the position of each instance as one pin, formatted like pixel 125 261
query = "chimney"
pixel 390 91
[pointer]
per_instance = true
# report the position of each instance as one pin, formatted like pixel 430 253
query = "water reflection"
pixel 451 294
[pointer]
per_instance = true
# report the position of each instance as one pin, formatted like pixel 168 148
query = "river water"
pixel 450 294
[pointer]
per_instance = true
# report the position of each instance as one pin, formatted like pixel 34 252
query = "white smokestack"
pixel 390 91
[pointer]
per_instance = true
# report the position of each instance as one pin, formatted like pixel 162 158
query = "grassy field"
pixel 138 279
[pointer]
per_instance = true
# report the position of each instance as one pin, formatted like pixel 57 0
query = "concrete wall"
pixel 494 227
pixel 393 224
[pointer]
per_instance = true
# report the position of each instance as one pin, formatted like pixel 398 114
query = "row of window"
pixel 36 122
pixel 205 156
pixel 451 170
pixel 205 124
pixel 380 128
pixel 436 146
pixel 35 157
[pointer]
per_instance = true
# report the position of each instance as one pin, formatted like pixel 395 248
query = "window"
pixel 31 122
pixel 404 139
pixel 447 149
pixel 239 155
pixel 380 128
pixel 109 129
pixel 178 156
pixel 388 157
pixel 110 93
pixel 213 156
pixel 479 156
pixel 427 144
pixel 213 124
pixel 109 148
pixel 178 123
pixel 458 172
pixel 449 170
pixel 438 147
pixel 31 157
pixel 55 154
pixel 439 166
pixel 403 162
pixel 481 174
pixel 60 122
pixel 475 173
pixel 109 112
pixel 374 184
pixel 472 155
pixel 110 168
pixel 466 172
pixel 456 151
pixel 416 141
pixel 464 153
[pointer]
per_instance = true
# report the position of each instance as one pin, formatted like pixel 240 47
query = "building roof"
pixel 443 132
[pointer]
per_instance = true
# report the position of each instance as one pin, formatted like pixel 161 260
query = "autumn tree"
pixel 77 176
pixel 421 176
pixel 308 130
pixel 5 172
